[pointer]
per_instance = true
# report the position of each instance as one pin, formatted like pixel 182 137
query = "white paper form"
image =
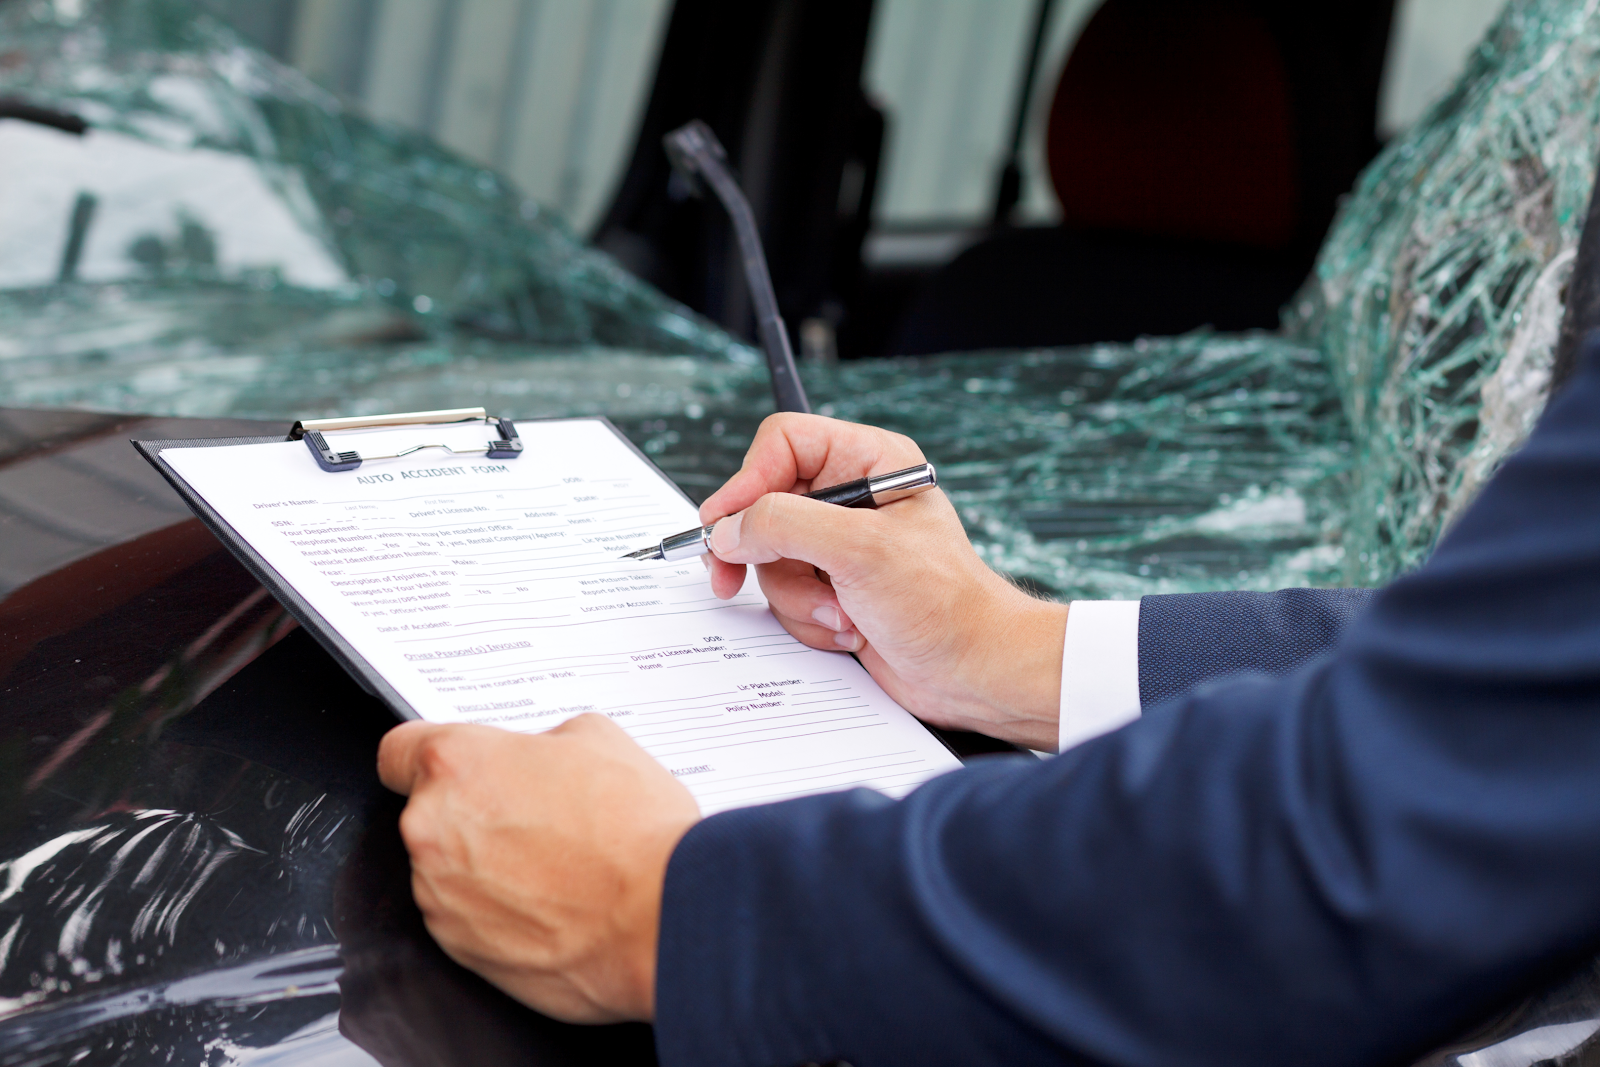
pixel 490 591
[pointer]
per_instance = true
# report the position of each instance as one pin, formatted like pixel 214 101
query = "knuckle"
pixel 417 830
pixel 901 445
pixel 774 429
pixel 440 756
pixel 588 722
pixel 427 903
pixel 583 729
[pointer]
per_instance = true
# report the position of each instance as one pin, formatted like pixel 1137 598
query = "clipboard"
pixel 332 460
pixel 335 462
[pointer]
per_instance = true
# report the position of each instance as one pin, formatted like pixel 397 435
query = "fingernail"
pixel 829 616
pixel 850 641
pixel 725 536
pixel 705 560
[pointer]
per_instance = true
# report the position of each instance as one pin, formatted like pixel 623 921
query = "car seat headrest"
pixel 1174 118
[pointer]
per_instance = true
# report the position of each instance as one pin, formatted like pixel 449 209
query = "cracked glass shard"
pixel 1439 294
pixel 1333 451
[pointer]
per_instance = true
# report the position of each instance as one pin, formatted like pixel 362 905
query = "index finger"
pixel 793 453
pixel 398 764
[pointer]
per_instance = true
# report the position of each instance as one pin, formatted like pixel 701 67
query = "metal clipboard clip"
pixel 312 431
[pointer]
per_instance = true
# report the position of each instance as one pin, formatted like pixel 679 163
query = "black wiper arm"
pixel 12 107
pixel 696 153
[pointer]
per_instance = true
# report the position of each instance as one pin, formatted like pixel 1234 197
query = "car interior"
pixel 1187 199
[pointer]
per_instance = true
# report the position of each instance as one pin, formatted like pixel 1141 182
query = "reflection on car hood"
pixel 140 879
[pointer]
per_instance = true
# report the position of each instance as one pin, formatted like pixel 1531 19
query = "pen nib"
pixel 653 552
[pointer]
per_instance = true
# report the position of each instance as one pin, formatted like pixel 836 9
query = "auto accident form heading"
pixel 489 591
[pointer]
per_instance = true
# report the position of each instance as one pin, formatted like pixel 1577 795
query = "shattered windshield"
pixel 1439 294
pixel 358 270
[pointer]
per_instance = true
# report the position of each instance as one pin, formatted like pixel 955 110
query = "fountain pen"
pixel 861 493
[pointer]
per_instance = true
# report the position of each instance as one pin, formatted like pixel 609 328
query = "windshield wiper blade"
pixel 12 107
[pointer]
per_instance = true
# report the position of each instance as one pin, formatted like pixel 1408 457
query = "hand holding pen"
pixel 869 492
pixel 900 585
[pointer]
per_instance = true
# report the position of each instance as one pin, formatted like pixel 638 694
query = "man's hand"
pixel 538 860
pixel 901 587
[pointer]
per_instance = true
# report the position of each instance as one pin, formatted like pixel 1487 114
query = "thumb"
pixel 400 754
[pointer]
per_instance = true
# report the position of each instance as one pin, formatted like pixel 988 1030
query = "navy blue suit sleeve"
pixel 1334 867
pixel 1189 638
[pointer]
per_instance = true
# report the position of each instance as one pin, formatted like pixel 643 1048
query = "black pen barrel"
pixel 856 494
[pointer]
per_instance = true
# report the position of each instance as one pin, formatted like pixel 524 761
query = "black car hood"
pixel 198 860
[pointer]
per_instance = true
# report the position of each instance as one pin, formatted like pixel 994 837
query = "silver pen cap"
pixel 887 488
pixel 690 543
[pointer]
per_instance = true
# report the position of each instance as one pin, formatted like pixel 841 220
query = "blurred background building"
pixel 551 92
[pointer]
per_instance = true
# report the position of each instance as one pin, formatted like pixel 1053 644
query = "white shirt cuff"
pixel 1099 670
